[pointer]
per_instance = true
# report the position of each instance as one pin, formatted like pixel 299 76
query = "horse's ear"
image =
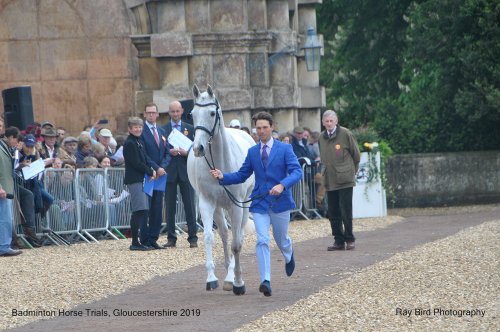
pixel 196 91
pixel 209 91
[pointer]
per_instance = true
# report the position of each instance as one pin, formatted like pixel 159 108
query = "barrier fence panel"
pixel 90 201
pixel 310 189
pixel 298 197
pixel 117 200
pixel 62 214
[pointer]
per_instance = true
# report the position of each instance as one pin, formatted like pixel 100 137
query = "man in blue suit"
pixel 158 158
pixel 177 175
pixel 276 170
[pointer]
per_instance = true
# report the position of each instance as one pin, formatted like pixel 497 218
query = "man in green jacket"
pixel 6 196
pixel 340 156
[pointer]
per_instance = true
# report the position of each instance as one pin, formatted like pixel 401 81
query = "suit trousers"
pixel 340 214
pixel 280 222
pixel 150 231
pixel 187 194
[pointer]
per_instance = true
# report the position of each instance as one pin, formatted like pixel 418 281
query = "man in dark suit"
pixel 177 175
pixel 158 158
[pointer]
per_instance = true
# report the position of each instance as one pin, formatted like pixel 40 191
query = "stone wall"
pixel 76 56
pixel 440 179
pixel 248 50
pixel 107 58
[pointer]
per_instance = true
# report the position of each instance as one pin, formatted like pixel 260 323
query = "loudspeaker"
pixel 18 107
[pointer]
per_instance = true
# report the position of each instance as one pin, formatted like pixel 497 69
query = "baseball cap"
pixel 235 123
pixel 29 140
pixel 105 133
pixel 69 139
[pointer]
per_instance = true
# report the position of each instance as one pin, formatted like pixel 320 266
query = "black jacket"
pixel 177 169
pixel 135 160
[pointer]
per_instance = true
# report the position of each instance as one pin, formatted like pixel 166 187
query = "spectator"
pixel 117 158
pixel 61 134
pixel 246 130
pixel 27 155
pixel 340 157
pixel 104 138
pixel 299 145
pixel 312 145
pixel 235 123
pixel 6 196
pixel 157 157
pixel 285 138
pixel 135 169
pixel 70 145
pixel 177 176
pixel 25 197
pixel 50 148
pixel 84 149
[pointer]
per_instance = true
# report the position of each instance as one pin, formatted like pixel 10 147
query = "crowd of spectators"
pixel 97 147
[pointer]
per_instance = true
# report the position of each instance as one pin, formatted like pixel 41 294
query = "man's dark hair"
pixel 12 132
pixel 263 116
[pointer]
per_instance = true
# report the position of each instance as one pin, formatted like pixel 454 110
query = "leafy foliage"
pixel 423 74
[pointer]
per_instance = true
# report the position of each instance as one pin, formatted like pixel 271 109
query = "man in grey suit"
pixel 177 175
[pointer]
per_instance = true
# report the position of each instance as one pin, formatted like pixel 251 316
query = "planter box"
pixel 368 195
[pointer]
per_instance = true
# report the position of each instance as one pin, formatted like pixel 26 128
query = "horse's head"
pixel 207 119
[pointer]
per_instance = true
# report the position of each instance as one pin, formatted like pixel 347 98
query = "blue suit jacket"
pixel 282 167
pixel 156 156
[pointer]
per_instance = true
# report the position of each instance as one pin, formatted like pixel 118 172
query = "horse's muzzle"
pixel 199 150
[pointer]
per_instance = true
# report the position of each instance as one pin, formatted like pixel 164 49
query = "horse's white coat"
pixel 229 148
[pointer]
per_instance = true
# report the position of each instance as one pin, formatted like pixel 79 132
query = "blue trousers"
pixel 5 225
pixel 280 222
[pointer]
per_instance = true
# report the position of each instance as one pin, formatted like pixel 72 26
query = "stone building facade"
pixel 106 58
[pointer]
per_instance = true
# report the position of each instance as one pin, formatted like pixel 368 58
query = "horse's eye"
pixel 212 113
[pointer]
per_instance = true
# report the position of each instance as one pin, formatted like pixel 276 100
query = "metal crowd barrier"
pixel 90 203
pixel 117 200
pixel 304 193
pixel 91 192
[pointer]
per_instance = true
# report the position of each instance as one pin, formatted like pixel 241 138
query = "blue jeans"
pixel 5 225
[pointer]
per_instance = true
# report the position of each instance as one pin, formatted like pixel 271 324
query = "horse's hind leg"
pixel 207 215
pixel 228 260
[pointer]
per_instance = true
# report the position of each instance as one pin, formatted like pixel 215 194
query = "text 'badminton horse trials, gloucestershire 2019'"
pixel 226 149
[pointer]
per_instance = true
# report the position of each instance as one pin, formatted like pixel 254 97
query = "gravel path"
pixel 446 285
pixel 54 278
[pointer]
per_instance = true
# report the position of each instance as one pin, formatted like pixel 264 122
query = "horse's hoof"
pixel 211 285
pixel 228 286
pixel 239 290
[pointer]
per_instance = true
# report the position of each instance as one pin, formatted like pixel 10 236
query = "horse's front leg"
pixel 228 260
pixel 207 209
pixel 237 243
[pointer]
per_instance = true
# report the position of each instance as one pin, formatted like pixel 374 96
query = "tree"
pixel 452 76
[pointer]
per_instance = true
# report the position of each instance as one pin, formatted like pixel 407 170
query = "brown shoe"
pixel 349 246
pixel 170 244
pixel 193 244
pixel 336 247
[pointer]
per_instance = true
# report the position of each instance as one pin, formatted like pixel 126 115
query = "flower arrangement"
pixel 369 141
